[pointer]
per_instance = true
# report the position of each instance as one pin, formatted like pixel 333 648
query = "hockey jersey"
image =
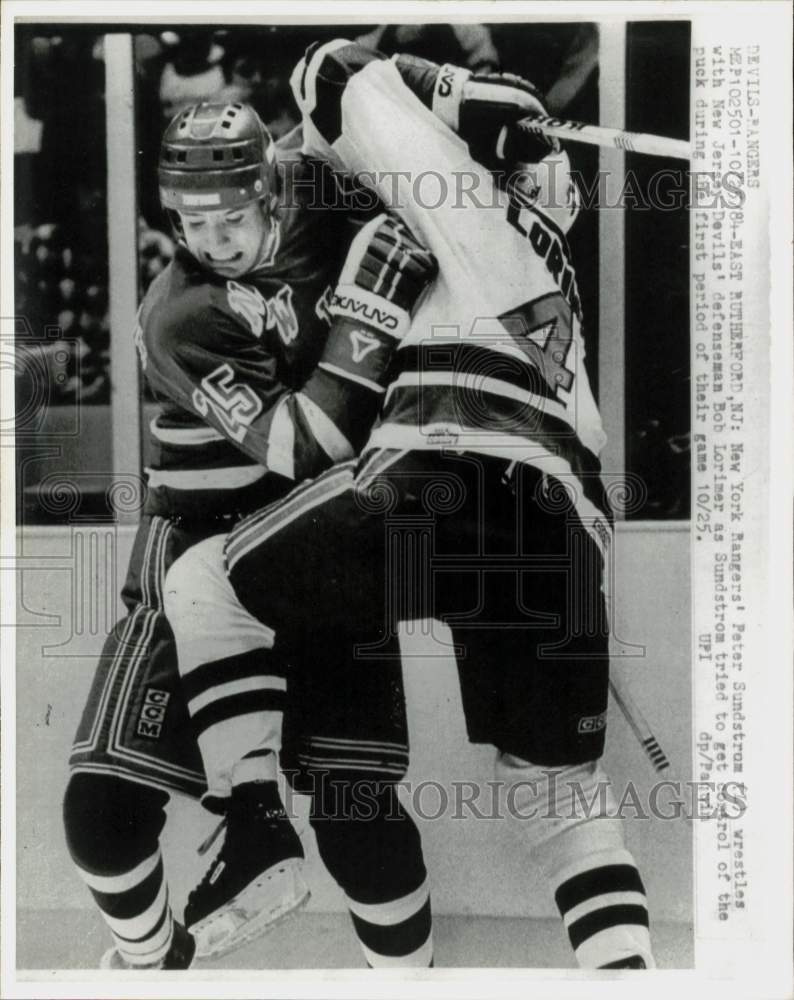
pixel 494 361
pixel 227 360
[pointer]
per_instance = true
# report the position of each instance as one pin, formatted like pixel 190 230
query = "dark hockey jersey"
pixel 228 358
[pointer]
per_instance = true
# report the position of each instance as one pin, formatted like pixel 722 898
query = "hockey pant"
pixel 136 744
pixel 499 554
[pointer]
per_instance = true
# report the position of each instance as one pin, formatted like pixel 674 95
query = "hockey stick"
pixel 598 135
pixel 639 724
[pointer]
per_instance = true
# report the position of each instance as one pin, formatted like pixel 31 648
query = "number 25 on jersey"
pixel 234 405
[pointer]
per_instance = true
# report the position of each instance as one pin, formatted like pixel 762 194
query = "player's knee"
pixel 207 619
pixel 192 581
pixel 373 855
pixel 103 814
pixel 550 801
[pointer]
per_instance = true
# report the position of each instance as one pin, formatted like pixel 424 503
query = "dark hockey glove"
pixel 483 108
pixel 386 271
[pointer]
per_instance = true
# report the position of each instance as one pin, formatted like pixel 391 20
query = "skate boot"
pixel 255 879
pixel 178 956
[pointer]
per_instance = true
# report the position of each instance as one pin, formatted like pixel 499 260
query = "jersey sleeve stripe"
pixel 184 435
pixel 281 441
pixel 473 384
pixel 326 433
pixel 304 78
pixel 200 479
pixel 341 373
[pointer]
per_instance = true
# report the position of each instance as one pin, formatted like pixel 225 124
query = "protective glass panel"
pixel 657 273
pixel 61 327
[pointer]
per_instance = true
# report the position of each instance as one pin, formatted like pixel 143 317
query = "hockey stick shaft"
pixel 598 135
pixel 639 724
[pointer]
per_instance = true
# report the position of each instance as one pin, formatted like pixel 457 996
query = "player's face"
pixel 228 241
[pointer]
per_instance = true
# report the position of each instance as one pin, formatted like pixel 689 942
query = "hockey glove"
pixel 479 108
pixel 385 273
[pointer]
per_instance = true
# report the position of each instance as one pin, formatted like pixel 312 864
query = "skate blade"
pixel 263 904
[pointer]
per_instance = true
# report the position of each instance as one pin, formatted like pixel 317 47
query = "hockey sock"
pixel 397 932
pixel 376 857
pixel 600 896
pixel 233 681
pixel 112 829
pixel 258 765
pixel 581 851
pixel 236 706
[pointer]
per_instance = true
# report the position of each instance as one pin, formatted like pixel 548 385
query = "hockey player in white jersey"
pixel 489 434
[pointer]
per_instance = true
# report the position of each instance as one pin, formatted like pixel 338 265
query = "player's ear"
pixel 176 224
pixel 269 207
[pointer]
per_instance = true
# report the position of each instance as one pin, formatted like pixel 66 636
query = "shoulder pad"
pixel 191 315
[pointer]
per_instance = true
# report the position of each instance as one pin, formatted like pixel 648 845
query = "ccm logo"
pixel 150 721
pixel 592 723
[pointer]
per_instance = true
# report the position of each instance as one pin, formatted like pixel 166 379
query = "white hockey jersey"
pixel 494 361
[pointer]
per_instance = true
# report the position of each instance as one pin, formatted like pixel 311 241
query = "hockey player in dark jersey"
pixel 263 382
pixel 483 464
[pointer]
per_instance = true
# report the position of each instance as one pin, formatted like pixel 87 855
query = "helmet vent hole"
pixel 217 154
pixel 237 154
pixel 238 106
pixel 226 124
pixel 181 157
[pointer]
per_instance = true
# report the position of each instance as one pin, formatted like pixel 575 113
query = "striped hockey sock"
pixel 112 828
pixel 602 902
pixel 377 861
pixel 136 908
pixel 397 933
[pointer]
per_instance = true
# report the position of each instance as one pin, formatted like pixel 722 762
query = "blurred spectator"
pixel 64 86
pixel 661 460
pixel 195 69
pixel 579 63
pixel 560 59
pixel 62 292
pixel 468 45
pixel 155 250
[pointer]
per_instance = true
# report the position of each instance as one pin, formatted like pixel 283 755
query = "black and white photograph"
pixel 386 498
